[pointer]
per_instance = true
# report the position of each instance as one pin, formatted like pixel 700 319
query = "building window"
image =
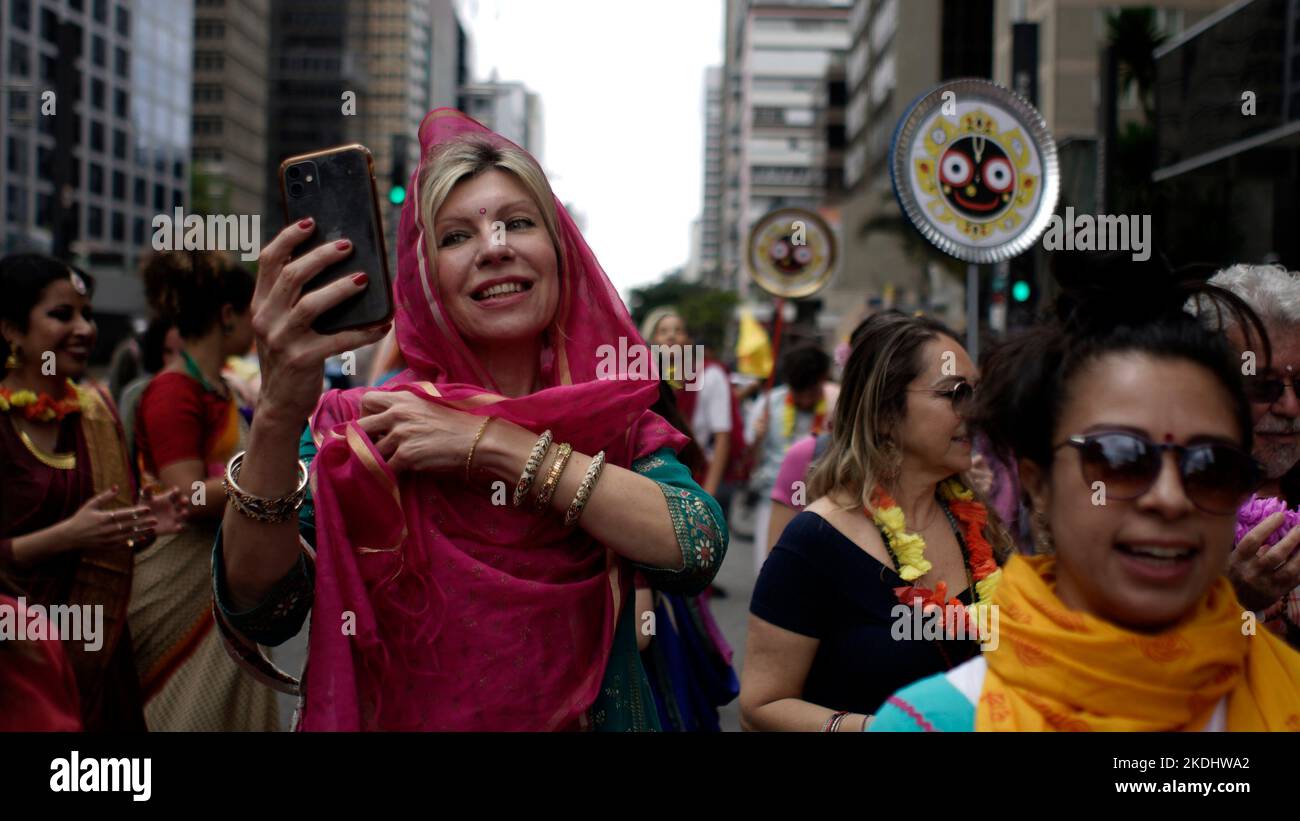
pixel 96 178
pixel 95 221
pixel 138 191
pixel 15 200
pixel 119 186
pixel 97 93
pixel 119 144
pixel 121 63
pixel 208 93
pixel 209 60
pixel 98 51
pixel 137 231
pixel 96 136
pixel 18 101
pixel 122 20
pixel 159 197
pixel 119 227
pixel 209 29
pixel 100 12
pixel 207 125
pixel 119 103
pixel 49 26
pixel 20 59
pixel 20 14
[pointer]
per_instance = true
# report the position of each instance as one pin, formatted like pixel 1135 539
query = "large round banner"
pixel 975 170
pixel 791 253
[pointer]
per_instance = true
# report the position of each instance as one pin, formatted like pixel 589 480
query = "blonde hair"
pixel 467 157
pixel 872 404
pixel 885 359
pixel 652 320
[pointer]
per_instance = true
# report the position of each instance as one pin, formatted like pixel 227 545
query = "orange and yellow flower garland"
pixel 787 420
pixel 42 408
pixel 908 550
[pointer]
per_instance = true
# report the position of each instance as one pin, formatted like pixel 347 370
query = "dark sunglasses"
pixel 1217 477
pixel 960 395
pixel 1260 389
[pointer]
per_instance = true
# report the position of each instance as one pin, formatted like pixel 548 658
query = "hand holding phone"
pixel 336 189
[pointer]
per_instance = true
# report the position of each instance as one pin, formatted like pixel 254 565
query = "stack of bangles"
pixel 258 508
pixel 832 724
pixel 547 490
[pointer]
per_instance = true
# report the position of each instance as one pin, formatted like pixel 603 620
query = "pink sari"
pixel 468 615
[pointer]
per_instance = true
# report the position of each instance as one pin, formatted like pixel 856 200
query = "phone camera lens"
pixel 295 189
pixel 295 172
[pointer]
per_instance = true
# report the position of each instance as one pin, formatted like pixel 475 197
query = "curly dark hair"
pixel 189 288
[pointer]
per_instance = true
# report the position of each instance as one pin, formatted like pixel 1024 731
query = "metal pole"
pixel 777 326
pixel 973 311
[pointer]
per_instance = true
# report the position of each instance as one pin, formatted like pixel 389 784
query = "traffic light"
pixel 397 193
pixel 1020 290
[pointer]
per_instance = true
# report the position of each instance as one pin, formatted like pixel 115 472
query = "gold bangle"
pixel 584 490
pixel 258 508
pixel 469 459
pixel 553 479
pixel 534 462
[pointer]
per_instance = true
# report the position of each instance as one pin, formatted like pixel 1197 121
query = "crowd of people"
pixel 1098 519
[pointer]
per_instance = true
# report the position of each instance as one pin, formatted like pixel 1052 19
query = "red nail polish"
pixel 342 244
pixel 305 224
pixel 360 279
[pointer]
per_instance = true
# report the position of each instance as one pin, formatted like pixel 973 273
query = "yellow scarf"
pixel 1059 669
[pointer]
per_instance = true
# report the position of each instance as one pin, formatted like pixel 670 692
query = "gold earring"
pixel 12 363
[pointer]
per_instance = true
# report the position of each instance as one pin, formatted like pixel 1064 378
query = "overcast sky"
pixel 622 87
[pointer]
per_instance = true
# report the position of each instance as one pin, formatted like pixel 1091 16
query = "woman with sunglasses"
pixel 1133 436
pixel 894 532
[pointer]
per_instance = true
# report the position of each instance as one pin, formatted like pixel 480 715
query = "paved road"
pixel 736 577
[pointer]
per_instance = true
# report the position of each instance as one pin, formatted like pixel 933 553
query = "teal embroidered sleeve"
pixel 931 705
pixel 281 614
pixel 697 520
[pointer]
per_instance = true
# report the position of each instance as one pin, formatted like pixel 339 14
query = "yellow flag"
pixel 753 349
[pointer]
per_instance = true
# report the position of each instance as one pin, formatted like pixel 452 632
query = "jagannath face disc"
pixel 791 253
pixel 974 168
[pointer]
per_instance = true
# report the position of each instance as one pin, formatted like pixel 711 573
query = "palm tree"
pixel 1133 33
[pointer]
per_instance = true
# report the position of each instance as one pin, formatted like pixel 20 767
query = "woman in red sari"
pixel 187 427
pixel 69 519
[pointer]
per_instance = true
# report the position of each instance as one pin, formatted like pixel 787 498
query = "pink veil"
pixel 436 609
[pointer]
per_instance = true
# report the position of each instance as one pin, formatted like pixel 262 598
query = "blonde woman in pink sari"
pixel 476 521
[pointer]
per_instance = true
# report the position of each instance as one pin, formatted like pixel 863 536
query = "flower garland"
pixel 43 407
pixel 819 416
pixel 908 550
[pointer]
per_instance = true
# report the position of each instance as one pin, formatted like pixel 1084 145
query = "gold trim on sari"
pixel 103 577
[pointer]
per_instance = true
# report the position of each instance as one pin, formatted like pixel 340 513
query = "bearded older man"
pixel 1269 580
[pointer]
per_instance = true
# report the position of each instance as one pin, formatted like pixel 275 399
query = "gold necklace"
pixel 58 461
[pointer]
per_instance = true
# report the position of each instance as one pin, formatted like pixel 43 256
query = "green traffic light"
pixel 1020 291
pixel 397 195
